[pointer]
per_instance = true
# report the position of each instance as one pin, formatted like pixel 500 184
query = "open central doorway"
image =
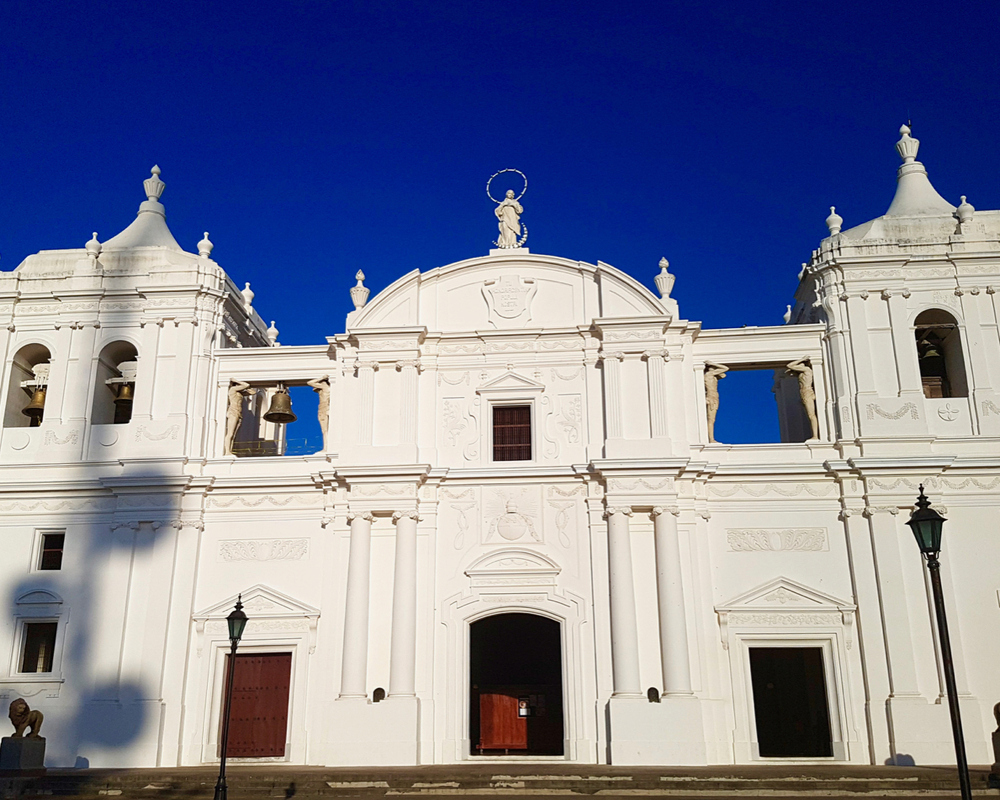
pixel 516 703
pixel 790 702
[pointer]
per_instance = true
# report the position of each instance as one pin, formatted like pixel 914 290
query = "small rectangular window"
pixel 512 433
pixel 39 643
pixel 52 551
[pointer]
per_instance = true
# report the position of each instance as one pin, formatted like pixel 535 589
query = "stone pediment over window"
pixel 39 602
pixel 510 382
pixel 506 568
pixel 781 604
pixel 37 597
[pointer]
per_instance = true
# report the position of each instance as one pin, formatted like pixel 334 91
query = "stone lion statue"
pixel 22 717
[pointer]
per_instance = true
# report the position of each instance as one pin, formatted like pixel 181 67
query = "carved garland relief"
pixel 264 550
pixel 750 540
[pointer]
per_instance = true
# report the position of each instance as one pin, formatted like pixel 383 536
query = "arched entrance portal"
pixel 516 705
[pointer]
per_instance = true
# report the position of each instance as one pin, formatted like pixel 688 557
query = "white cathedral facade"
pixel 520 539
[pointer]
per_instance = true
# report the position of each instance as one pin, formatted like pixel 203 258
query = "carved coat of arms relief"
pixel 509 300
pixel 512 515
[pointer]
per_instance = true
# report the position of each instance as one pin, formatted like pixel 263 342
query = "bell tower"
pixel 908 300
pixel 111 344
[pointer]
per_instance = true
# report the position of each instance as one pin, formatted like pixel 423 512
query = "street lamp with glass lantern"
pixel 237 621
pixel 927 526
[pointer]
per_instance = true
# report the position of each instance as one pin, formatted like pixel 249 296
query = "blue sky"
pixel 313 139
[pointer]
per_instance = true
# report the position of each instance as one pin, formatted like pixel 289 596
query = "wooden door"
pixel 258 718
pixel 500 727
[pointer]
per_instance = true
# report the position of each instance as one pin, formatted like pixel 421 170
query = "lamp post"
pixel 236 621
pixel 927 526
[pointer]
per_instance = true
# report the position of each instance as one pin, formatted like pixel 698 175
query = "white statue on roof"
pixel 508 211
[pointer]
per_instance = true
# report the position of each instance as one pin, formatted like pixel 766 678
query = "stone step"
pixel 513 780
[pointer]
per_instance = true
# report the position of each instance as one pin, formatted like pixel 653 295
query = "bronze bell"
pixel 281 408
pixel 125 394
pixel 36 408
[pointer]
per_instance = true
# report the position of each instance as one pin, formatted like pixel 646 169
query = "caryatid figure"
pixel 801 369
pixel 234 412
pixel 322 387
pixel 713 372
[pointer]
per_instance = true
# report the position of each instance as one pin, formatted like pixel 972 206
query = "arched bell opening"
pixel 939 354
pixel 114 389
pixel 515 680
pixel 27 387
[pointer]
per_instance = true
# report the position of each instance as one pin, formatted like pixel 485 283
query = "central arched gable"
pixel 507 292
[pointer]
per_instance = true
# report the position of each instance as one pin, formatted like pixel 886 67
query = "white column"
pixel 624 629
pixel 408 404
pixel 354 676
pixel 656 377
pixel 670 597
pixel 366 407
pixel 403 645
pixel 612 393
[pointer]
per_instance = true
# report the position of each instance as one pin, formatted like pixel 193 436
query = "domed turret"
pixel 149 229
pixel 915 196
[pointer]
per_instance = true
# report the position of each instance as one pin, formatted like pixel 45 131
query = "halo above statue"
pixel 513 234
pixel 501 172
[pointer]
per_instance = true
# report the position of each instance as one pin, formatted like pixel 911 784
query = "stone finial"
pixel 272 335
pixel 153 185
pixel 907 146
pixel 787 316
pixel 665 281
pixel 94 248
pixel 965 211
pixel 248 294
pixel 360 292
pixel 834 221
pixel 205 248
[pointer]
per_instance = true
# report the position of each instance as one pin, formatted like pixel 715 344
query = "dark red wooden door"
pixel 500 728
pixel 258 719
